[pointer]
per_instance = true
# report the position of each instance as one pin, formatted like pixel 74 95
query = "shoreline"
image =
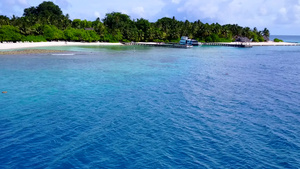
pixel 25 45
pixel 28 45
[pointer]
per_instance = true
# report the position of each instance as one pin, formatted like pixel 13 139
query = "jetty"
pixel 176 45
pixel 229 44
pixel 251 44
pixel 159 44
pixel 239 45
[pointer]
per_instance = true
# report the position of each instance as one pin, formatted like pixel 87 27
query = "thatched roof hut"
pixel 242 39
pixel 266 38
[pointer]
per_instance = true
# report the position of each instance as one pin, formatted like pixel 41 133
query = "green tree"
pixel 143 27
pixel 278 40
pixel 32 38
pixel 37 29
pixel 72 34
pixel 48 8
pixel 170 28
pixel 116 21
pixel 266 32
pixel 9 33
pixel 85 24
pixel 48 20
pixel 24 24
pixel 254 37
pixel 246 32
pixel 92 36
pixel 98 27
pixel 4 20
pixel 66 22
pixel 51 32
pixel 76 24
pixel 45 13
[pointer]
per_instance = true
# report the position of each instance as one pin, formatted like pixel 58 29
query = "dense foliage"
pixel 46 22
pixel 278 40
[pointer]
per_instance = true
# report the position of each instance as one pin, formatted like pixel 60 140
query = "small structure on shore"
pixel 242 39
pixel 266 38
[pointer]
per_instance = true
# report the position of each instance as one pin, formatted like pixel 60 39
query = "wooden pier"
pixel 239 45
pixel 251 44
pixel 175 45
pixel 169 45
pixel 229 44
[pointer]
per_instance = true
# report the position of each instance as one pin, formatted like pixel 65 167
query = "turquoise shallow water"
pixel 143 107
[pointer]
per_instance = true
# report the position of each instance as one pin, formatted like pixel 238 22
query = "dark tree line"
pixel 47 22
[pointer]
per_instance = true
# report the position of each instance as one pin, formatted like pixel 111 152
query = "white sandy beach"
pixel 24 45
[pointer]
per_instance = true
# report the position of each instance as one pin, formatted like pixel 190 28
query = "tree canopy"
pixel 47 22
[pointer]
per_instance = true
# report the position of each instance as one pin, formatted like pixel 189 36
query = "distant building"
pixel 242 39
pixel 266 38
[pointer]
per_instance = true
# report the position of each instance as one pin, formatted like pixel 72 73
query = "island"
pixel 47 25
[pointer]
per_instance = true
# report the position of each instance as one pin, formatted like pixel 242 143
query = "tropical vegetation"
pixel 278 40
pixel 46 22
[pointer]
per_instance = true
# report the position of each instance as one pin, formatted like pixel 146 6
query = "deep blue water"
pixel 286 38
pixel 143 107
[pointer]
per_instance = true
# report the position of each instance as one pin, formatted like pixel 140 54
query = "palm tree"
pixel 4 20
pixel 246 32
pixel 266 32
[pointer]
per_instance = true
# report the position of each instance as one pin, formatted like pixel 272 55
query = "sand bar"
pixel 24 45
pixel 30 51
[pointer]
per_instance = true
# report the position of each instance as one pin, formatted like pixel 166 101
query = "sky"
pixel 281 17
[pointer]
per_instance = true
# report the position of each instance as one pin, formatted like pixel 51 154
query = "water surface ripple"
pixel 141 107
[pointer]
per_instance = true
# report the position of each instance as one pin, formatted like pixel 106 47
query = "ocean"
pixel 147 107
pixel 287 38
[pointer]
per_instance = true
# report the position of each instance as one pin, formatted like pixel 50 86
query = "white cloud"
pixel 297 13
pixel 275 14
pixel 134 8
pixel 139 11
pixel 176 1
pixel 97 14
pixel 254 13
pixel 23 2
pixel 263 11
pixel 282 11
pixel 13 7
pixel 124 12
pixel 63 4
pixel 8 2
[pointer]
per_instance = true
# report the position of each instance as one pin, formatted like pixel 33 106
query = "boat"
pixel 195 42
pixel 184 40
pixel 182 46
